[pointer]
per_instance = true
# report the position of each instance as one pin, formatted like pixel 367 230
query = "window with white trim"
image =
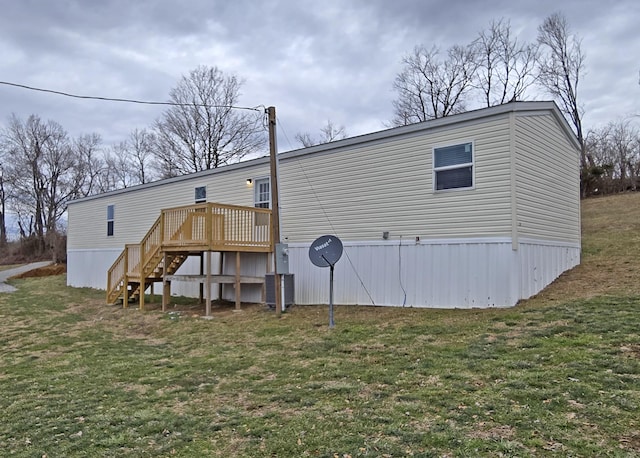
pixel 201 194
pixel 453 167
pixel 110 219
pixel 262 193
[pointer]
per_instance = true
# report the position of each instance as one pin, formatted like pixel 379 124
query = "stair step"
pixel 152 271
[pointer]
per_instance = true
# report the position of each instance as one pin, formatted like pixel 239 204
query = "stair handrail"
pixel 116 275
pixel 150 246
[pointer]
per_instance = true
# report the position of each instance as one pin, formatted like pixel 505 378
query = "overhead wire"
pixel 326 215
pixel 115 99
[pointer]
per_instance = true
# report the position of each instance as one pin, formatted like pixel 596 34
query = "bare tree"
pixel 601 177
pixel 204 130
pixel 430 87
pixel 328 133
pixel 140 145
pixel 623 140
pixel 90 164
pixel 42 169
pixel 120 168
pixel 505 66
pixel 615 152
pixel 560 68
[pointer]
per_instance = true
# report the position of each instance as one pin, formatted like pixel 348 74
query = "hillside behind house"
pixel 610 263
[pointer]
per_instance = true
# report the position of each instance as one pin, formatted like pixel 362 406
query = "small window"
pixel 453 167
pixel 201 194
pixel 110 219
pixel 262 197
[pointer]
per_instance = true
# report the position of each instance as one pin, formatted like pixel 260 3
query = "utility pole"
pixel 275 204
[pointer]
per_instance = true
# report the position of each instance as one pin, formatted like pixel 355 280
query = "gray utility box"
pixel 270 290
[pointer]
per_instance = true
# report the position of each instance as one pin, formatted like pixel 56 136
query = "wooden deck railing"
pixel 199 227
pixel 217 227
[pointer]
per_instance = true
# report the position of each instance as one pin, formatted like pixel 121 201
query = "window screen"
pixel 453 167
pixel 110 219
pixel 201 194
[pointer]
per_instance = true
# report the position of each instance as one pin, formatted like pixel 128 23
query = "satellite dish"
pixel 325 251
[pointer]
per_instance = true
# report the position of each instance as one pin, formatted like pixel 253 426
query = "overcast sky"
pixel 312 60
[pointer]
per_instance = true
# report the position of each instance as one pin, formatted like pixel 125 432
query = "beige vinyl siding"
pixel 137 208
pixel 359 192
pixel 548 180
pixel 362 187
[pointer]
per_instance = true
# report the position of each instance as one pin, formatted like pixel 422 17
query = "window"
pixel 262 196
pixel 110 219
pixel 453 167
pixel 201 194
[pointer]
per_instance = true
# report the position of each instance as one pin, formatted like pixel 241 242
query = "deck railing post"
pixel 161 241
pixel 208 225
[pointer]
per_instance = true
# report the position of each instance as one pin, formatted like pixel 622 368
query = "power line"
pixel 112 99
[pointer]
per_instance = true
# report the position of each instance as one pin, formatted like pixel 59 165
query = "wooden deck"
pixel 183 231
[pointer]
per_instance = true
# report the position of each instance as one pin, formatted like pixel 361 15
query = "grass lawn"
pixel 557 375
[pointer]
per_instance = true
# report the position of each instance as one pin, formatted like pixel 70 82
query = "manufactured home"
pixel 479 209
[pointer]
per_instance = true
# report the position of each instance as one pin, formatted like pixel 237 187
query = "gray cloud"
pixel 314 61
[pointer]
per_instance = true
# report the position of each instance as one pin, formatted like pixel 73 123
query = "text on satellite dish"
pixel 324 245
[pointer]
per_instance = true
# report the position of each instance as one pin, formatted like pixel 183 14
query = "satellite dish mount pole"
pixel 331 322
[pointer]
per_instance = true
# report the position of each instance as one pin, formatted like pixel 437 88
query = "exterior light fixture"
pixel 249 181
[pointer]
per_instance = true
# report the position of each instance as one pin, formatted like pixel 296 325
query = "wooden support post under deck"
pixel 141 297
pixel 151 293
pixel 238 280
pixel 207 285
pixel 220 270
pixel 125 296
pixel 142 279
pixel 201 286
pixel 166 294
pixel 166 285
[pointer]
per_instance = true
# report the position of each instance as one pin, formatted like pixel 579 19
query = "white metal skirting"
pixel 447 273
pixel 88 267
pixel 541 263
pixel 442 274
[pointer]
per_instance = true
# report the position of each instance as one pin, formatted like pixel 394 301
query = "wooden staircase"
pixel 180 232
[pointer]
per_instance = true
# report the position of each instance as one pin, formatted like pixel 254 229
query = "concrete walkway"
pixel 5 274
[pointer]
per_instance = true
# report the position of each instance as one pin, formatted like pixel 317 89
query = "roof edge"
pixel 515 107
pixel 163 181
